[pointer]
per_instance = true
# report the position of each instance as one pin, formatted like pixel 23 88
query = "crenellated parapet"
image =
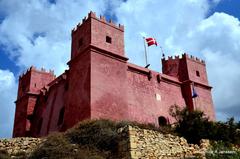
pixel 101 19
pixel 185 55
pixel 34 69
pixel 193 58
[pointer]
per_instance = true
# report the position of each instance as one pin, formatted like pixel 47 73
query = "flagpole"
pixel 163 55
pixel 145 48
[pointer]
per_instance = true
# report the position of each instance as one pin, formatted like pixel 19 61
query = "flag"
pixel 151 41
pixel 194 93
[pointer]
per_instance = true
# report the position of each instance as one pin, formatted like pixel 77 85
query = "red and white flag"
pixel 151 41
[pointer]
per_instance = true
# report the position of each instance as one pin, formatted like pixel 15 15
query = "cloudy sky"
pixel 38 32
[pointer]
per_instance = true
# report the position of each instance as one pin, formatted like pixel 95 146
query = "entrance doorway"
pixel 162 121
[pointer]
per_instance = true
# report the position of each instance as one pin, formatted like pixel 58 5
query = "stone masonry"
pixel 17 145
pixel 139 143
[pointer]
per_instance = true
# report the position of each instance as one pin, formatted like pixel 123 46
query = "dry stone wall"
pixel 134 143
pixel 17 145
pixel 139 143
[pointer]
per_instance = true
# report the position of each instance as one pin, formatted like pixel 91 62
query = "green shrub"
pixel 101 134
pixel 194 126
pixel 89 139
pixel 55 146
pixel 190 125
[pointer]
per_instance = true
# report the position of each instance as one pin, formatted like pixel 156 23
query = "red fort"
pixel 101 83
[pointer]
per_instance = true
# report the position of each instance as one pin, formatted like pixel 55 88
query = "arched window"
pixel 162 121
pixel 61 116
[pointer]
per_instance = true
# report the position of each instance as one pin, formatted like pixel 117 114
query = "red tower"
pixel 97 62
pixel 29 86
pixel 191 71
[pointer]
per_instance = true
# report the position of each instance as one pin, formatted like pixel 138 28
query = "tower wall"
pixel 55 102
pixel 37 118
pixel 28 89
pixel 108 70
pixel 150 95
pixel 101 30
pixel 196 69
pixel 78 96
pixel 47 116
pixel 204 101
pixel 191 71
pixel 97 32
pixel 108 87
pixel 81 37
pixel 97 72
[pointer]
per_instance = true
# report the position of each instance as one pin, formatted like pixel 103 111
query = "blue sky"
pixel 231 7
pixel 37 32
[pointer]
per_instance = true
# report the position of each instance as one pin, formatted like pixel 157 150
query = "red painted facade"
pixel 100 83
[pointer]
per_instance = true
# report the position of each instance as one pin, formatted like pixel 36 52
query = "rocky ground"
pixel 16 146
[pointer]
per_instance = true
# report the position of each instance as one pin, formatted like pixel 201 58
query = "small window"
pixel 35 85
pixel 39 126
pixel 197 73
pixel 80 42
pixel 108 39
pixel 162 121
pixel 61 116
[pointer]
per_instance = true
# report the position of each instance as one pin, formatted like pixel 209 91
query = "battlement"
pixel 185 55
pixel 34 69
pixel 191 57
pixel 101 19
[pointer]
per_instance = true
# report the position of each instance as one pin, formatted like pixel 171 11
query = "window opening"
pixel 108 39
pixel 197 73
pixel 61 116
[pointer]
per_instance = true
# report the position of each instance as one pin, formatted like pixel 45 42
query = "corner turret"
pixel 185 68
pixel 191 71
pixel 29 87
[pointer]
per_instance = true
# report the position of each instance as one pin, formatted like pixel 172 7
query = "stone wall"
pixel 18 145
pixel 135 143
pixel 139 143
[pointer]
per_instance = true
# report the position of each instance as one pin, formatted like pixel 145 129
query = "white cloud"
pixel 36 32
pixel 161 19
pixel 182 26
pixel 8 91
pixel 217 40
pixel 39 33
